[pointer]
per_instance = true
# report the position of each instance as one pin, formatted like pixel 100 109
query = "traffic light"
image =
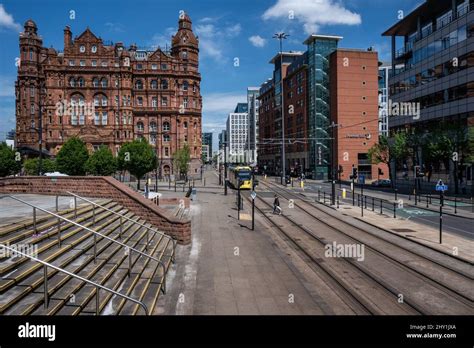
pixel 418 173
pixel 354 173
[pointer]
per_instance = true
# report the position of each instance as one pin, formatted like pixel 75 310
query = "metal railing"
pixel 59 269
pixel 122 216
pixel 128 248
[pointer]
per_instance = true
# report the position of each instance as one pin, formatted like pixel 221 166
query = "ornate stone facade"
pixel 107 94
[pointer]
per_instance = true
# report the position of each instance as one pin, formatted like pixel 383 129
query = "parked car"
pixel 382 183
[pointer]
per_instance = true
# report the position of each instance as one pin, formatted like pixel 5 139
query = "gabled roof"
pixel 87 35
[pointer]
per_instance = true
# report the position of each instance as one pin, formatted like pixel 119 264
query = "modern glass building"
pixel 319 49
pixel 437 55
pixel 252 138
pixel 207 140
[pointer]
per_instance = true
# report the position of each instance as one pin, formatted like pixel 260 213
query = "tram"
pixel 242 174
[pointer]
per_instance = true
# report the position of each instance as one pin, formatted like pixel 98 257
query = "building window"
pixel 31 54
pixel 116 100
pixel 32 109
pixel 32 91
pixel 154 67
pixel 97 118
pixel 153 139
pixel 140 127
pixel 81 82
pixel 94 48
pixel 166 126
pixel 95 82
pixel 185 85
pixel 104 83
pixel 185 138
pixel 185 125
pixel 164 84
pixel 154 102
pixel 139 66
pixel 167 153
pixel 184 54
pixel 153 127
pixel 94 63
pixel 154 84
pixel 104 118
pixel 139 84
pixel 71 62
pixel 139 101
pixel 164 101
pixel 185 102
pixel 104 63
pixel 82 62
pixel 164 66
pixel 166 138
pixel 72 82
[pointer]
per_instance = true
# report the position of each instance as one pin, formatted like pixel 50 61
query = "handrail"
pixel 128 248
pixel 127 218
pixel 59 269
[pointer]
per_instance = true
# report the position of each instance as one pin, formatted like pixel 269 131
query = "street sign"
pixel 441 187
pixel 253 195
pixel 361 179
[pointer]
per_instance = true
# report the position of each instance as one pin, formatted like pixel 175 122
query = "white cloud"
pixel 257 41
pixel 163 40
pixel 312 13
pixel 233 30
pixel 7 21
pixel 221 103
pixel 115 27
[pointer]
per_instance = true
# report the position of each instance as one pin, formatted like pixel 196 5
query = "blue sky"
pixel 227 30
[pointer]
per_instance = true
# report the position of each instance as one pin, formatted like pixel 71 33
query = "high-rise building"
pixel 434 93
pixel 107 94
pixel 252 138
pixel 237 131
pixel 385 73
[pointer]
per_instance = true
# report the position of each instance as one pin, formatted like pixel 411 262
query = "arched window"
pixel 185 124
pixel 100 100
pixel 164 84
pixel 184 54
pixel 166 126
pixel 81 82
pixel 185 85
pixel 152 126
pixel 154 84
pixel 195 125
pixel 139 84
pixel 95 82
pixel 72 82
pixel 104 82
pixel 166 138
pixel 77 103
pixel 140 127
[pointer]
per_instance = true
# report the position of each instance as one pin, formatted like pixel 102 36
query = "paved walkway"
pixel 229 269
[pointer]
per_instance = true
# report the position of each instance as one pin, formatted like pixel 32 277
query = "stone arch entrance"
pixel 166 170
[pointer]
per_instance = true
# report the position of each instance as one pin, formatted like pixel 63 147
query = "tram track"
pixel 458 288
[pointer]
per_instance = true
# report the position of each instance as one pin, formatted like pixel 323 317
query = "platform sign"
pixel 440 186
pixel 253 194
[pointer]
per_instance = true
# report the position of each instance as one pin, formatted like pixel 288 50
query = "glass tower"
pixel 319 49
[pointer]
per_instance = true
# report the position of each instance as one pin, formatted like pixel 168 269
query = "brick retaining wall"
pixel 102 187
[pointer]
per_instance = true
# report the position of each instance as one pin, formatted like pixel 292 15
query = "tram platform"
pixel 230 269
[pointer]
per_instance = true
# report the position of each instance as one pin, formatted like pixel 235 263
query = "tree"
pixel 72 157
pixel 388 150
pixel 182 157
pixel 102 162
pixel 9 163
pixel 31 166
pixel 138 157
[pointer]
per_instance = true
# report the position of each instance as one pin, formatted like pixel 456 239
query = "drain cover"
pixel 402 230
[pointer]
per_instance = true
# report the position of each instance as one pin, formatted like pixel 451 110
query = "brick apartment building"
pixel 108 94
pixel 324 98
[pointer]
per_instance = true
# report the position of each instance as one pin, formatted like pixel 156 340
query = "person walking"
pixel 276 205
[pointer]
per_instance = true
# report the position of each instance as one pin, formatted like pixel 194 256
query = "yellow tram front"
pixel 242 175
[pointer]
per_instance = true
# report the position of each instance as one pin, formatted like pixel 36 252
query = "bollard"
pixel 204 181
pixel 365 202
pixel 169 184
pixel 373 204
pixel 455 206
pixel 319 195
pixel 175 186
pixel 324 197
pixel 381 206
pixel 337 201
pixel 362 206
pixel 358 200
pixel 427 202
pixel 394 210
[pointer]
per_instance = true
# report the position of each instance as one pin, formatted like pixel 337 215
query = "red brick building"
pixel 354 108
pixel 108 94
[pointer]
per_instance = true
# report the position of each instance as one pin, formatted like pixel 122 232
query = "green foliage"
pixel 101 162
pixel 138 157
pixel 470 145
pixel 31 166
pixel 8 163
pixel 387 149
pixel 72 157
pixel 182 157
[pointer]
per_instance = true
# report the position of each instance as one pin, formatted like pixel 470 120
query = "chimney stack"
pixel 67 37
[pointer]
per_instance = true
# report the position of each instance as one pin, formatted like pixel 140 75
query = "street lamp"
pixel 282 36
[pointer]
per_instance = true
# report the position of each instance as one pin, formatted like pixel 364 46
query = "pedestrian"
pixel 276 205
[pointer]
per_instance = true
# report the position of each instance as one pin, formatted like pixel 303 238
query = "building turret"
pixel 185 44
